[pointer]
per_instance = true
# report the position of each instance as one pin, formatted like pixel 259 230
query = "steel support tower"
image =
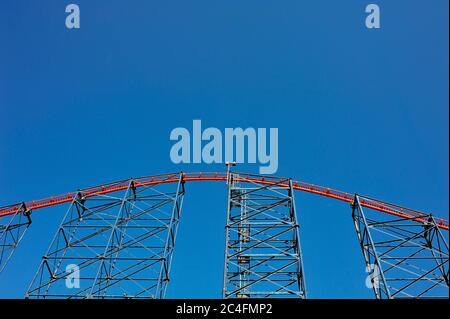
pixel 12 231
pixel 263 254
pixel 406 257
pixel 117 245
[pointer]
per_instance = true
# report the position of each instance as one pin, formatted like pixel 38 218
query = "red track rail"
pixel 221 176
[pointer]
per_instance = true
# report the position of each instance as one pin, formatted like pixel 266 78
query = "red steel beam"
pixel 222 176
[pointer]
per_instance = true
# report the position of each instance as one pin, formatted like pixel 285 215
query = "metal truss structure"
pixel 117 240
pixel 405 257
pixel 12 232
pixel 262 255
pixel 115 245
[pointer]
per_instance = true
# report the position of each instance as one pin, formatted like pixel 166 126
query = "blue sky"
pixel 359 110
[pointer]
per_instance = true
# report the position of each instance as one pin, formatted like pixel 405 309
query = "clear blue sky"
pixel 359 110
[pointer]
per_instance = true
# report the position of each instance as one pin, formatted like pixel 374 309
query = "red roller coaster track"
pixel 222 176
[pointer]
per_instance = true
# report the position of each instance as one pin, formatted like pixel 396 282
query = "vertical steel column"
pixel 113 245
pixel 405 257
pixel 262 254
pixel 373 264
pixel 170 240
pixel 11 234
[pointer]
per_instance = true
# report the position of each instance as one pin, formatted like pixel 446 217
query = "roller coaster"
pixel 121 238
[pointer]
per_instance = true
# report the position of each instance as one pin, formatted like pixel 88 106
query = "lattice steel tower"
pixel 263 254
pixel 406 256
pixel 119 244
